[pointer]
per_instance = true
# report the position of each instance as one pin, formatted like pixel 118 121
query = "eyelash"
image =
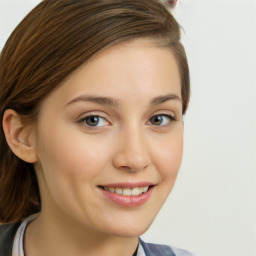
pixel 83 120
pixel 170 117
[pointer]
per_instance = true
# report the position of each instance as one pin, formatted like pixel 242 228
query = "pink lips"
pixel 128 201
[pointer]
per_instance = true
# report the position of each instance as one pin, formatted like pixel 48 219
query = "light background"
pixel 212 209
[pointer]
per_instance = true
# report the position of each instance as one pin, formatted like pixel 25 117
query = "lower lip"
pixel 128 201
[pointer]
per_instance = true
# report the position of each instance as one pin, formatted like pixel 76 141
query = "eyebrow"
pixel 97 99
pixel 161 99
pixel 112 102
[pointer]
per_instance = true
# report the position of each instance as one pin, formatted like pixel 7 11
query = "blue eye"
pixel 161 120
pixel 95 121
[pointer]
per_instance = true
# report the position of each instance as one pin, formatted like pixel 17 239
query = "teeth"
pixel 119 191
pixel 136 191
pixel 144 189
pixel 128 191
pixel 111 189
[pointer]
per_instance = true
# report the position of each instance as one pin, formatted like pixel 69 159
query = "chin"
pixel 131 230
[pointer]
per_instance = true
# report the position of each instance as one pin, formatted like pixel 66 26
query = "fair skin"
pixel 132 137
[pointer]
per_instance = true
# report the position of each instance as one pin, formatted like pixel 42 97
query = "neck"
pixel 55 237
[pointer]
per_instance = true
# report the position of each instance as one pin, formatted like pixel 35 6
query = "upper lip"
pixel 128 184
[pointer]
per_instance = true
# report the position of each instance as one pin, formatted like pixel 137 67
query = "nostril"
pixel 132 168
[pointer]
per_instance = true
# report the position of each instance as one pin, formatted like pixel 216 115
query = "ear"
pixel 19 136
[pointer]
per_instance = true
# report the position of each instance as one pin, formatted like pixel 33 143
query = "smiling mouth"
pixel 128 195
pixel 136 191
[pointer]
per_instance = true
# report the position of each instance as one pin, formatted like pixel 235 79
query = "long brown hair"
pixel 53 40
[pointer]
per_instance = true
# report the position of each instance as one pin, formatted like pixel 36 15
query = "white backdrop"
pixel 212 209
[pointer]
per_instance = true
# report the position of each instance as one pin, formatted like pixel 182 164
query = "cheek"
pixel 169 156
pixel 70 164
pixel 70 152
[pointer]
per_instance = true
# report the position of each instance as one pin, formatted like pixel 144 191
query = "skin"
pixel 72 158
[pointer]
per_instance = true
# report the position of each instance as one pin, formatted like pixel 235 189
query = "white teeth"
pixel 144 189
pixel 111 189
pixel 119 191
pixel 136 191
pixel 128 191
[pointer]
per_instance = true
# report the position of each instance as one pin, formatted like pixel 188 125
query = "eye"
pixel 94 121
pixel 161 120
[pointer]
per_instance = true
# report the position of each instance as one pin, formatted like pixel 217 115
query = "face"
pixel 110 138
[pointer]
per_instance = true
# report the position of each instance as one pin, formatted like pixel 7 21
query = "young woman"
pixel 92 95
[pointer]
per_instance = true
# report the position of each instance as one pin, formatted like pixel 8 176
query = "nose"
pixel 132 151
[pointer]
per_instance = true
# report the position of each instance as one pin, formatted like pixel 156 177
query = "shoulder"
pixel 163 250
pixel 7 234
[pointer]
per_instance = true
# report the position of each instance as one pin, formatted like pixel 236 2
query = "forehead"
pixel 131 69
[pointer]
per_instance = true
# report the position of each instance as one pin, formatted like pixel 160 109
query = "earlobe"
pixel 19 136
